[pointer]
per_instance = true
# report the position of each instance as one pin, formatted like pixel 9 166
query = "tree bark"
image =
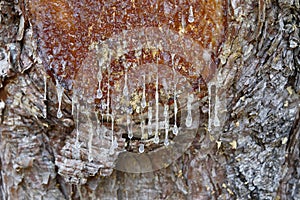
pixel 253 154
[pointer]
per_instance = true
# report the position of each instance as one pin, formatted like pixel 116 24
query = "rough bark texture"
pixel 253 155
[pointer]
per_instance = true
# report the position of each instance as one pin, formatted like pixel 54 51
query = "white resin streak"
pixel 149 120
pixel 113 139
pixel 156 138
pixel 209 107
pixel 114 143
pixel 129 128
pixel 143 103
pixel 45 87
pixel 108 92
pixel 175 128
pixel 166 115
pixel 183 23
pixel 191 15
pixel 189 119
pixel 45 97
pixel 99 91
pixel 60 91
pixel 99 77
pixel 216 108
pixel 125 89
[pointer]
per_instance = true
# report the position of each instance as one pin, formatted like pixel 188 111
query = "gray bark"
pixel 254 154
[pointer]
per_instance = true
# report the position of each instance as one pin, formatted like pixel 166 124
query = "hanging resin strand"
pixel 175 128
pixel 99 77
pixel 183 24
pixel 108 92
pixel 143 103
pixel 189 119
pixel 150 120
pixel 125 89
pixel 60 91
pixel 156 138
pixel 166 115
pixel 45 97
pixel 191 15
pixel 114 142
pixel 129 128
pixel 209 107
pixel 45 87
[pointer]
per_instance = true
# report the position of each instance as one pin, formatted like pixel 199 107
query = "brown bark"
pixel 254 154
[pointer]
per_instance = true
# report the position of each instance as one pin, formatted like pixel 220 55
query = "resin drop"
pixel 141 148
pixel 191 15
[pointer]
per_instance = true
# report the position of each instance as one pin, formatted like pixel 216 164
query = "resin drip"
pixel 166 115
pixel 99 77
pixel 175 128
pixel 150 120
pixel 189 119
pixel 143 103
pixel 60 91
pixel 191 15
pixel 156 138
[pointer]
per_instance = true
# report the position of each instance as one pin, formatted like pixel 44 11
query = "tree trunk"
pixel 253 153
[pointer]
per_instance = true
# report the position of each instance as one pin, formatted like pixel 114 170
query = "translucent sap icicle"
pixel 99 77
pixel 129 128
pixel 141 148
pixel 172 57
pixel 143 103
pixel 166 115
pixel 216 108
pixel 183 23
pixel 45 87
pixel 191 15
pixel 125 89
pixel 189 119
pixel 108 97
pixel 175 128
pixel 99 91
pixel 60 91
pixel 150 121
pixel 209 107
pixel 45 97
pixel 156 139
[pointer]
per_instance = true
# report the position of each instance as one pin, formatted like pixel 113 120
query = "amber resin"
pixel 66 29
pixel 137 70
